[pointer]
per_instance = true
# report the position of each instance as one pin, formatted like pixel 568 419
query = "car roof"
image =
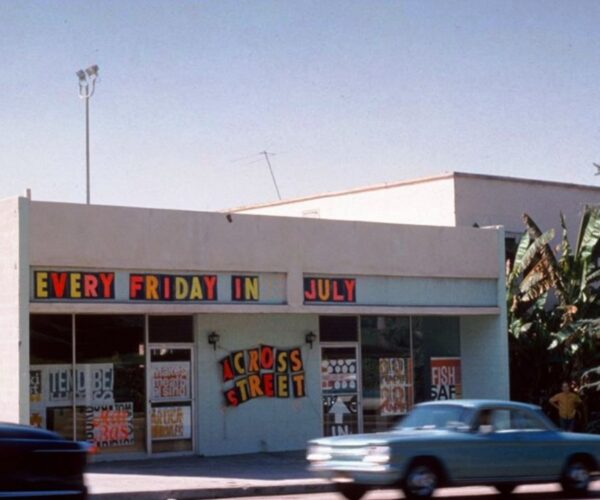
pixel 483 403
pixel 12 430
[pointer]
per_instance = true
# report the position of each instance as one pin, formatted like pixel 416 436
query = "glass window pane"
pixel 166 329
pixel 386 370
pixel 338 328
pixel 111 395
pixel 171 399
pixel 339 386
pixel 436 353
pixel 51 373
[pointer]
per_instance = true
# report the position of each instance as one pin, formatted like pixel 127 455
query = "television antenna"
pixel 266 155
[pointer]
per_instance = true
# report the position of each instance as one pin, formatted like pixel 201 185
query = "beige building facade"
pixel 150 332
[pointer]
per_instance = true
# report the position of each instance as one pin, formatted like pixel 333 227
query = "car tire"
pixel 352 491
pixel 576 477
pixel 421 480
pixel 505 489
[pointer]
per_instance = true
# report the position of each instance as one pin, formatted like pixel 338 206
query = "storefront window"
pixel 338 328
pixel 51 373
pixel 168 329
pixel 386 370
pixel 110 389
pixel 436 353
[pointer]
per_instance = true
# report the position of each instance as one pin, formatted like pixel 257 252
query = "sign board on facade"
pixel 109 425
pixel 324 290
pixel 170 380
pixel 122 286
pixel 171 422
pixel 263 372
pixel 395 386
pixel 446 380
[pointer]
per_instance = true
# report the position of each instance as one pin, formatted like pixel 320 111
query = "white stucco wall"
pixel 429 201
pixel 484 348
pixel 14 320
pixel 135 238
pixel 502 201
pixel 454 199
pixel 262 424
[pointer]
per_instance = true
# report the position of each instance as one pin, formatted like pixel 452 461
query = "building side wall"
pixel 261 424
pixel 484 348
pixel 14 321
pixel 503 202
pixel 484 358
pixel 429 203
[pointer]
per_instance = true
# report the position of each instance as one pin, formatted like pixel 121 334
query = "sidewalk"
pixel 202 477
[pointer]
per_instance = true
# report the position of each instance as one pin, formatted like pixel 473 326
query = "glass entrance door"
pixel 171 399
pixel 340 390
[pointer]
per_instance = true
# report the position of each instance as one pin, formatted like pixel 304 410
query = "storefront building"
pixel 151 332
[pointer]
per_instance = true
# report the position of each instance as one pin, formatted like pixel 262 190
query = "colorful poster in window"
pixel 395 386
pixel 340 415
pixel 171 422
pixel 339 376
pixel 263 372
pixel 170 381
pixel 35 386
pixel 52 385
pixel 446 381
pixel 109 425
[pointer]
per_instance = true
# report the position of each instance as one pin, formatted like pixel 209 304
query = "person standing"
pixel 566 402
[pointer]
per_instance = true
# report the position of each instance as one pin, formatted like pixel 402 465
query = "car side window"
pixel 523 421
pixel 492 420
pixel 501 420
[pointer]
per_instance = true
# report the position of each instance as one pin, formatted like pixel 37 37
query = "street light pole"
pixel 87 86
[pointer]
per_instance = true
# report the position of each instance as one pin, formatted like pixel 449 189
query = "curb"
pixel 207 493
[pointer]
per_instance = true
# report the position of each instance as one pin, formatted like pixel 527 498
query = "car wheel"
pixel 352 491
pixel 505 488
pixel 421 480
pixel 576 477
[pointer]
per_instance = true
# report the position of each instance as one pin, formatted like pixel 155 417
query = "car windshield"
pixel 442 416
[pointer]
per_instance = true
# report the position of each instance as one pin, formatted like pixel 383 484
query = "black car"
pixel 36 463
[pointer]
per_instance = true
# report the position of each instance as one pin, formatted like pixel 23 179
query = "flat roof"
pixel 418 180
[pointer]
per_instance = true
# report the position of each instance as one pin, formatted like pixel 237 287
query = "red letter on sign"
pixel 227 369
pixel 59 283
pixel 310 291
pixel 90 285
pixel 135 286
pixel 106 279
pixel 211 287
pixel 350 286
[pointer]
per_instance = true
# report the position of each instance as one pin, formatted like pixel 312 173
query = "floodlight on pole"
pixel 87 86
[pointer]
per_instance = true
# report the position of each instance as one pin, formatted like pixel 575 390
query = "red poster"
pixel 446 380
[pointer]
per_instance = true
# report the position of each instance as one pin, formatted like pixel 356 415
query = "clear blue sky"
pixel 347 93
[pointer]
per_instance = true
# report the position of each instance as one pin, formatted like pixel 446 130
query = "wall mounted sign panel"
pixel 400 291
pixel 75 285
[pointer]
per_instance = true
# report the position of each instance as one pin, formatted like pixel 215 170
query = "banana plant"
pixel 553 302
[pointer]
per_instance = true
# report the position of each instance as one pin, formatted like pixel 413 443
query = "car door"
pixel 515 445
pixel 494 448
pixel 539 446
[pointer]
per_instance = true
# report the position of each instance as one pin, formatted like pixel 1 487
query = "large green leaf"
pixel 521 249
pixel 534 251
pixel 589 234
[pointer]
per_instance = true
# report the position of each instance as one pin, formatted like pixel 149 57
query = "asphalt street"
pixel 526 492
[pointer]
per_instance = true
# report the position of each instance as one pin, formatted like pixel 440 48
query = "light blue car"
pixel 459 443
